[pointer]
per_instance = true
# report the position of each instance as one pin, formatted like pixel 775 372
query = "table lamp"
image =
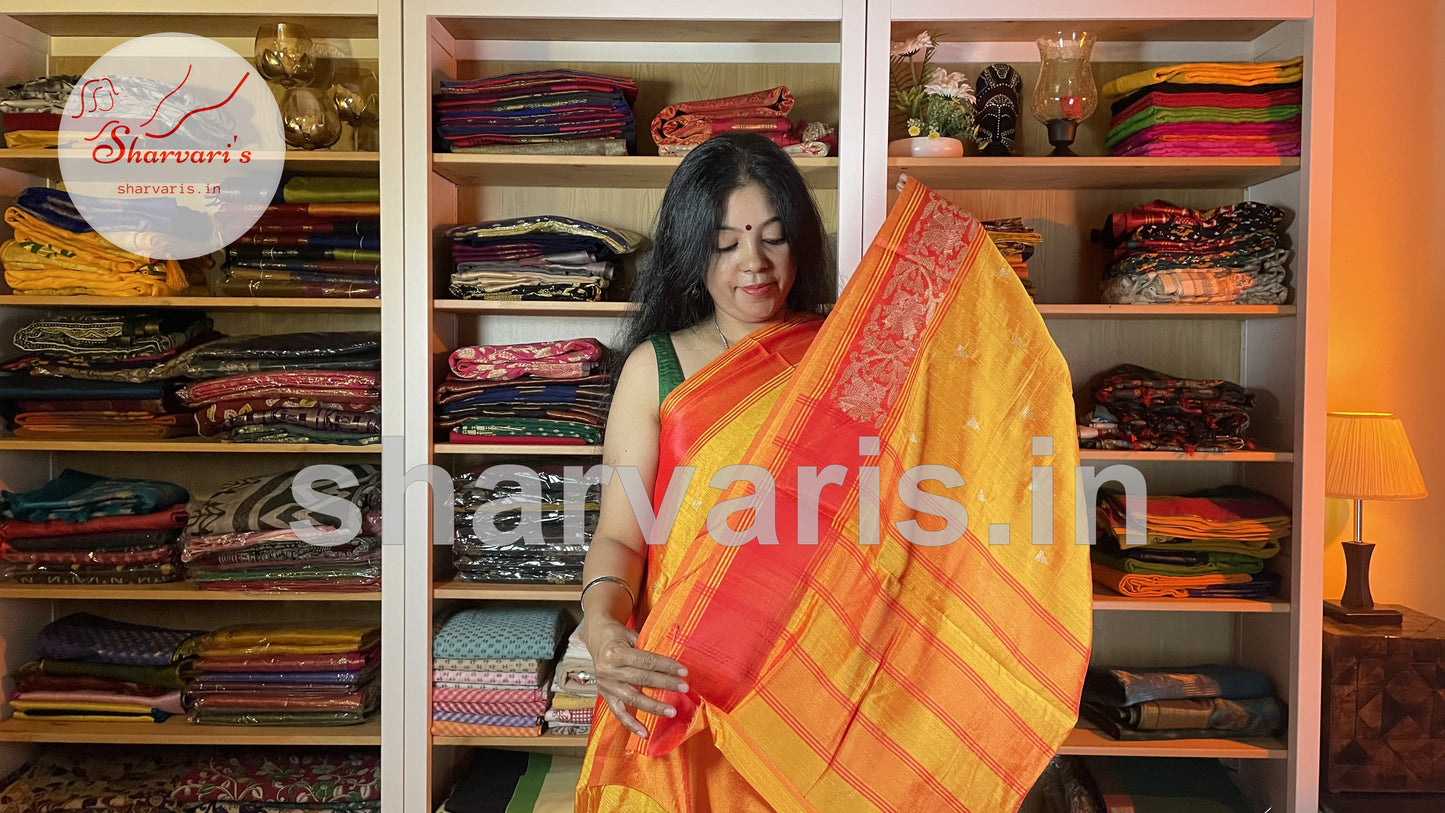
pixel 1367 457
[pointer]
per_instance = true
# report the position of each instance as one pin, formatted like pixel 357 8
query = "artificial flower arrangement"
pixel 937 102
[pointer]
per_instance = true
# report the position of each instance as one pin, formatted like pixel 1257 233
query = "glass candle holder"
pixel 1065 93
pixel 309 119
pixel 283 54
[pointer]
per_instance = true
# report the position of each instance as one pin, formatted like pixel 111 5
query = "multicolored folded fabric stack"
pixel 574 690
pixel 1016 241
pixel 514 782
pixel 491 669
pixel 272 780
pixel 1207 544
pixel 540 257
pixel 1137 408
pixel 96 669
pixel 56 252
pixel 240 537
pixel 102 375
pixel 1168 254
pixel 678 128
pixel 1208 108
pixel 1180 703
pixel 85 529
pixel 537 392
pixel 239 682
pixel 31 111
pixel 287 388
pixel 532 527
pixel 549 112
pixel 320 240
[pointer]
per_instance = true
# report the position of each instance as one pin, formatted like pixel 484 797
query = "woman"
pixel 836 664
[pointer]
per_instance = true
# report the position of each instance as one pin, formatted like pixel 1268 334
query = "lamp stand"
pixel 1357 606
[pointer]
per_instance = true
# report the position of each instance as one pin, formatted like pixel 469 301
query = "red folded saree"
pixel 696 122
pixel 832 675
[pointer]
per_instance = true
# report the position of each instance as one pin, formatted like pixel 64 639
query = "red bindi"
pixel 748 227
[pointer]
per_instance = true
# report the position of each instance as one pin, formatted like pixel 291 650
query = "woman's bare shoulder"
pixel 637 383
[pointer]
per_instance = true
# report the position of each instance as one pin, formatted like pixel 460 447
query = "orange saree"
pixel 888 659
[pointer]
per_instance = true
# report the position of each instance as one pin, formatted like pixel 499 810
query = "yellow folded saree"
pixel 888 676
pixel 1211 73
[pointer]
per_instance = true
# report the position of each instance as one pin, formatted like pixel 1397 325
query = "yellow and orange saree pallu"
pixel 869 664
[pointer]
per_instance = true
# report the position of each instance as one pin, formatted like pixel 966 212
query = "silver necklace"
pixel 720 335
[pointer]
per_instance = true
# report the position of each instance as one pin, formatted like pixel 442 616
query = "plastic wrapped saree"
pixel 859 670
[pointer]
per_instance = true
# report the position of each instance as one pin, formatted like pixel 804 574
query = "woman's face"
pixel 752 264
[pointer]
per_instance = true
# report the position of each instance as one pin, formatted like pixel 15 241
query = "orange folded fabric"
pixel 696 122
pixel 1142 585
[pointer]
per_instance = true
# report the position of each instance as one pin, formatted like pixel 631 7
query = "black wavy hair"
pixel 671 288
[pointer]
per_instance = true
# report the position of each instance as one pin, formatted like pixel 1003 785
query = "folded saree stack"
pixel 288 388
pixel 679 127
pixel 1167 254
pixel 1208 109
pixel 31 111
pixel 259 674
pixel 574 690
pixel 532 527
pixel 1206 544
pixel 90 668
pixel 514 782
pixel 540 257
pixel 84 529
pixel 1209 701
pixel 1016 241
pixel 548 112
pixel 320 240
pixel 240 537
pixel 491 669
pixel 1146 410
pixel 56 252
pixel 537 392
pixel 1137 785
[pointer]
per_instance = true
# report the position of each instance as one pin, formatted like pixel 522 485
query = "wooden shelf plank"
pixel 604 310
pixel 595 30
pixel 200 302
pixel 46 162
pixel 609 171
pixel 175 591
pixel 1197 457
pixel 1122 30
pixel 1107 600
pixel 1050 311
pixel 1091 172
pixel 1084 741
pixel 508 592
pixel 178 445
pixel 544 742
pixel 514 449
pixel 179 731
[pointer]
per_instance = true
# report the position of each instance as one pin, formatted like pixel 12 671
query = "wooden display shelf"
pixel 607 171
pixel 1091 172
pixel 1166 311
pixel 544 742
pixel 174 591
pixel 199 302
pixel 1107 600
pixel 453 16
pixel 1118 30
pixel 1084 741
pixel 46 162
pixel 1198 457
pixel 179 445
pixel 179 731
pixel 354 20
pixel 515 449
pixel 605 310
pixel 507 592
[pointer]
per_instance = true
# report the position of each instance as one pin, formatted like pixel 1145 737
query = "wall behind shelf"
pixel 1387 303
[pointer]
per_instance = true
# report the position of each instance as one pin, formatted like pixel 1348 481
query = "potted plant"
pixel 938 103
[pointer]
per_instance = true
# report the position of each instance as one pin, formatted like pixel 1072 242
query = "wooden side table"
pixel 1384 705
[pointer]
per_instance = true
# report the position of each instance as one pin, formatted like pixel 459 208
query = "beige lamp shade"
pixel 1368 457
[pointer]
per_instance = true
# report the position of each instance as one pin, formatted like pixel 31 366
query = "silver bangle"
pixel 617 580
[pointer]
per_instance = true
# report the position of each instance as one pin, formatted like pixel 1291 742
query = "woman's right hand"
pixel 620 668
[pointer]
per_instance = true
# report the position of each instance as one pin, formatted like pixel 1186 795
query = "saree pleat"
pixel 891 674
